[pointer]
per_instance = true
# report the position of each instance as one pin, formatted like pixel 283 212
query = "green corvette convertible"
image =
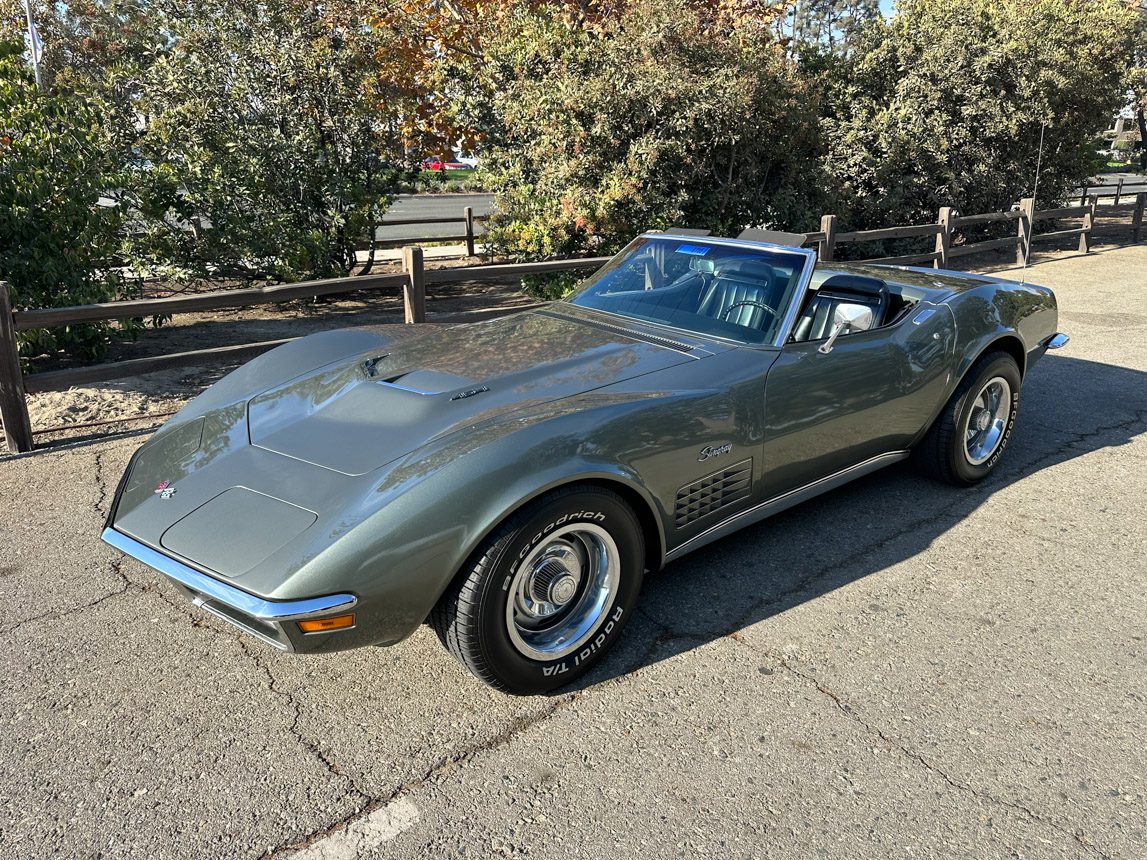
pixel 510 482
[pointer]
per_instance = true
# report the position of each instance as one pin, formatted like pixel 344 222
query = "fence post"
pixel 1083 195
pixel 1137 215
pixel 1118 191
pixel 944 237
pixel 824 249
pixel 13 404
pixel 414 290
pixel 468 216
pixel 1024 227
pixel 1088 225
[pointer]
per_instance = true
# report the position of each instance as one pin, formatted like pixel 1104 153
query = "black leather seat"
pixel 815 322
pixel 737 293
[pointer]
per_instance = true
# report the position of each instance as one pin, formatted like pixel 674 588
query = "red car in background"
pixel 439 164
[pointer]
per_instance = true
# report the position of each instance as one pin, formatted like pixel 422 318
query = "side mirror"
pixel 847 319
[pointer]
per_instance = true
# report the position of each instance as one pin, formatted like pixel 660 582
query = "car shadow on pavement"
pixel 1070 408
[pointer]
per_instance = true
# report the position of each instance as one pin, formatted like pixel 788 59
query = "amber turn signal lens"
pixel 322 625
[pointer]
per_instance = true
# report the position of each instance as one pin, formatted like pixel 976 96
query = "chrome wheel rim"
pixel 562 590
pixel 987 420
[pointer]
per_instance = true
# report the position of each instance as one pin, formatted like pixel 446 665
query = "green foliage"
pixel 827 25
pixel 1136 82
pixel 550 287
pixel 944 103
pixel 658 118
pixel 55 240
pixel 444 181
pixel 251 142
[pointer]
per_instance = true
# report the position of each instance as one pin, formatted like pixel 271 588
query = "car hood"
pixel 268 467
pixel 358 414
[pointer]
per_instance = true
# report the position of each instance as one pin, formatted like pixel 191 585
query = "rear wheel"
pixel 548 593
pixel 971 433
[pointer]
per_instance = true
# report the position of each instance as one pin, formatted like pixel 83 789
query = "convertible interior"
pixel 723 290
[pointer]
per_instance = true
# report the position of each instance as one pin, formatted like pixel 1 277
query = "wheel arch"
pixel 639 501
pixel 1009 343
pixel 652 533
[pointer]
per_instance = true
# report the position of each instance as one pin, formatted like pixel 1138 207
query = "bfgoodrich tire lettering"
pixel 973 430
pixel 548 593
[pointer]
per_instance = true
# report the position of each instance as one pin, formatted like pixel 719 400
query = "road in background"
pixel 898 669
pixel 431 206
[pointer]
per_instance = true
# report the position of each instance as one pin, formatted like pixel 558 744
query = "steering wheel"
pixel 746 303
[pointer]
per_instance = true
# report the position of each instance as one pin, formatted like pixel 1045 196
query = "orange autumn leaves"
pixel 431 54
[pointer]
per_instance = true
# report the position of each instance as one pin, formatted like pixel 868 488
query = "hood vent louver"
pixel 713 492
pixel 426 381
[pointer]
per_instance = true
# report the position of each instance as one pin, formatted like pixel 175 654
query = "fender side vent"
pixel 713 492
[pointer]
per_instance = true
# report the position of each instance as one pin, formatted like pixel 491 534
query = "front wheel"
pixel 975 426
pixel 548 593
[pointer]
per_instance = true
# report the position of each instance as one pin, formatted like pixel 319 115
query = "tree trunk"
pixel 1141 120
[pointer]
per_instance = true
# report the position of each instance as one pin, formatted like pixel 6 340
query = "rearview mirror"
pixel 847 319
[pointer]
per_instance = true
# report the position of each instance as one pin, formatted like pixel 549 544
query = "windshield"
pixel 697 285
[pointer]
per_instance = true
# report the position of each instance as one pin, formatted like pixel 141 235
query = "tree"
pixel 826 25
pixel 944 104
pixel 664 115
pixel 432 55
pixel 1137 82
pixel 249 131
pixel 56 240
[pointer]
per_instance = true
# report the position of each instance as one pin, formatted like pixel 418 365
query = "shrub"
pixel 251 139
pixel 656 118
pixel 944 103
pixel 56 241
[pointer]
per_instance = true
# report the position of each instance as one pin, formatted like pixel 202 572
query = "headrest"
pixel 747 269
pixel 855 284
pixel 773 237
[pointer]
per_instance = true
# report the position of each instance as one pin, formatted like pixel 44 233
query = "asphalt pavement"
pixel 431 206
pixel 897 669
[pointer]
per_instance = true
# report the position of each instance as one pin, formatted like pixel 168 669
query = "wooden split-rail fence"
pixel 414 280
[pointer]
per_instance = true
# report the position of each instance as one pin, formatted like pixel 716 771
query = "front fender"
pixel 436 507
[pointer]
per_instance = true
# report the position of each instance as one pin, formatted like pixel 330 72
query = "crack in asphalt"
pixel 55 614
pixel 368 802
pixel 1139 417
pixel 443 768
pixel 296 710
pixel 101 483
pixel 295 707
pixel 900 747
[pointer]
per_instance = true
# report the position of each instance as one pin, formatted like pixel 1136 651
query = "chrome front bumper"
pixel 1055 341
pixel 264 619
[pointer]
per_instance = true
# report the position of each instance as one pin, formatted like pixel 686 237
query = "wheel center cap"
pixel 563 589
pixel 983 419
pixel 555 579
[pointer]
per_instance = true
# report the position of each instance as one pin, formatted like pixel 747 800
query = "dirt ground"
pixel 144 401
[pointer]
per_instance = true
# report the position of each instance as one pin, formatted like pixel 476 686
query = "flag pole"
pixel 33 39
